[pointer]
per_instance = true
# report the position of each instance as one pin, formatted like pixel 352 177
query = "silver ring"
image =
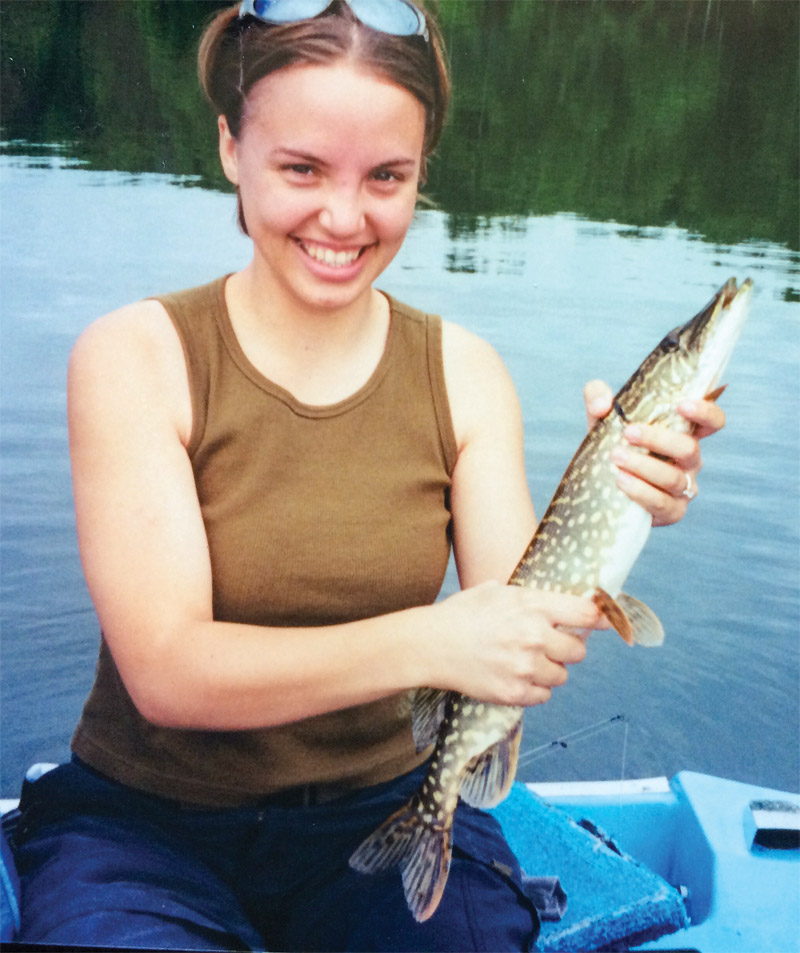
pixel 690 492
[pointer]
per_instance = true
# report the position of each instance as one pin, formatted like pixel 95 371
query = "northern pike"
pixel 587 542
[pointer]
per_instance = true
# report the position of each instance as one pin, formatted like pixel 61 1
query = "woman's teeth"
pixel 330 257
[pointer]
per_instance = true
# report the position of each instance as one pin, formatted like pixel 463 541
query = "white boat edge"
pixel 569 790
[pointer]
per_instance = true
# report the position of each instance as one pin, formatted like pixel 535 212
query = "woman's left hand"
pixel 663 487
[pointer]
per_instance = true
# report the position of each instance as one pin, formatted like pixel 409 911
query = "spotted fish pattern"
pixel 586 543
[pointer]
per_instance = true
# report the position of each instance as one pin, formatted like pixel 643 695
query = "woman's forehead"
pixel 317 104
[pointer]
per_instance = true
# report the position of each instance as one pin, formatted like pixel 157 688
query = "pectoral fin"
pixel 716 394
pixel 646 625
pixel 489 776
pixel 427 714
pixel 635 622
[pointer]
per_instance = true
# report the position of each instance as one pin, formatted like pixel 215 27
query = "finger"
pixel 665 508
pixel 565 648
pixel 549 674
pixel 563 608
pixel 535 695
pixel 598 397
pixel 680 448
pixel 662 474
pixel 707 416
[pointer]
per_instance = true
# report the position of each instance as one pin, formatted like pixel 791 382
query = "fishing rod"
pixel 579 735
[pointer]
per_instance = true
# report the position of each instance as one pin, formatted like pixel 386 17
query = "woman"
pixel 268 471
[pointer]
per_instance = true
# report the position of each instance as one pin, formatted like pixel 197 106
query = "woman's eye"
pixel 299 168
pixel 385 175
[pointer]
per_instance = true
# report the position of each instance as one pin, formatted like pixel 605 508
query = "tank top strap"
pixel 411 325
pixel 195 314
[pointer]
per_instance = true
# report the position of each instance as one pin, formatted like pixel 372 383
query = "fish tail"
pixel 422 851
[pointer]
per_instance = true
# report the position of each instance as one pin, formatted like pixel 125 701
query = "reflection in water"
pixel 648 113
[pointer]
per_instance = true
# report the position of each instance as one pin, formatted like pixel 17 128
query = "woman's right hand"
pixel 506 644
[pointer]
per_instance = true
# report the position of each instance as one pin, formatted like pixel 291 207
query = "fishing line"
pixel 624 747
pixel 582 733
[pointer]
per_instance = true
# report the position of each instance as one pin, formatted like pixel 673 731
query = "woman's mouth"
pixel 329 257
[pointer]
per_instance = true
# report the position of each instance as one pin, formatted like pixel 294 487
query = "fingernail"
pixel 598 406
pixel 689 406
pixel 633 433
pixel 620 455
pixel 624 481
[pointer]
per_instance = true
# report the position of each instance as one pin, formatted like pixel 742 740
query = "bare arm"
pixel 146 560
pixel 514 644
pixel 492 510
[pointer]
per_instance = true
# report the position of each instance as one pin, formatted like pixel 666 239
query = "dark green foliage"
pixel 648 112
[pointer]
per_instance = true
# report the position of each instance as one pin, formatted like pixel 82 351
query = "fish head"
pixel 689 362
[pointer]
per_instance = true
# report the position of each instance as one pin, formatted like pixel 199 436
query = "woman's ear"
pixel 227 151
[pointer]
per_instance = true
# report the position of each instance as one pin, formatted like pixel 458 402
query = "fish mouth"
pixel 719 306
pixel 718 329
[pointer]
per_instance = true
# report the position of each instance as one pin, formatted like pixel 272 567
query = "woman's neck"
pixel 321 356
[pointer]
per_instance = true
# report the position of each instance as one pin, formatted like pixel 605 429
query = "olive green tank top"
pixel 314 516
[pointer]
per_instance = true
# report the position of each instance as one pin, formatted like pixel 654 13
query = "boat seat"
pixel 613 902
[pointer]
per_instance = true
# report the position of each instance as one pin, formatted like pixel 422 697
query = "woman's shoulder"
pixel 479 386
pixel 472 362
pixel 460 345
pixel 152 321
pixel 133 332
pixel 462 350
pixel 133 353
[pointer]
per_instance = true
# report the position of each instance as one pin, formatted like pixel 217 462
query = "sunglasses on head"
pixel 397 17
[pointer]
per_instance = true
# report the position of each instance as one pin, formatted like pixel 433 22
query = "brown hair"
pixel 235 53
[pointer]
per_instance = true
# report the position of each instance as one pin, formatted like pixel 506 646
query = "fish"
pixel 586 543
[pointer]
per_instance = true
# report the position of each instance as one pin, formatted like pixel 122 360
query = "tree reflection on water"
pixel 646 112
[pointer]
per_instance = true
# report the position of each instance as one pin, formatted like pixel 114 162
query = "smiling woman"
pixel 235 54
pixel 327 191
pixel 268 474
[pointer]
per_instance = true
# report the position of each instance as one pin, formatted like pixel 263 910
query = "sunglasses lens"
pixel 288 11
pixel 389 16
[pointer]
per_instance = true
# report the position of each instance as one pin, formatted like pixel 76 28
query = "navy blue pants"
pixel 102 864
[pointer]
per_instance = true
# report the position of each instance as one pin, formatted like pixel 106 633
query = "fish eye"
pixel 673 340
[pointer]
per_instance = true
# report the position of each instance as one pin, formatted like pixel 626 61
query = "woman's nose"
pixel 342 213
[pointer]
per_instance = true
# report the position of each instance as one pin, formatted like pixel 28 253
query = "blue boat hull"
pixel 697 832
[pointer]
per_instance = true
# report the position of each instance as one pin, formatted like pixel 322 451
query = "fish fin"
pixel 422 851
pixel 615 614
pixel 646 625
pixel 635 622
pixel 427 715
pixel 488 776
pixel 716 393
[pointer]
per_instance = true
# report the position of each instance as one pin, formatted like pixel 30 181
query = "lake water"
pixel 563 299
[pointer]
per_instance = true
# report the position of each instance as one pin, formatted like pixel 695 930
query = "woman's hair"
pixel 235 53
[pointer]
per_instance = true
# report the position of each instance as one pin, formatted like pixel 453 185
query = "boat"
pixel 691 863
pixel 724 857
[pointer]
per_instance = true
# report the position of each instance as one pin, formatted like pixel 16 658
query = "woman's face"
pixel 327 164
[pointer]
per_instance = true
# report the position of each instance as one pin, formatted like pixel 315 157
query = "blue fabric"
pixel 9 891
pixel 612 901
pixel 101 864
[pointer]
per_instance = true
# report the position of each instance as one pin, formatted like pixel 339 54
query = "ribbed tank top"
pixel 314 516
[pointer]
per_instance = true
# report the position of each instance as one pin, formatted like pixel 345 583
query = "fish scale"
pixel 586 543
